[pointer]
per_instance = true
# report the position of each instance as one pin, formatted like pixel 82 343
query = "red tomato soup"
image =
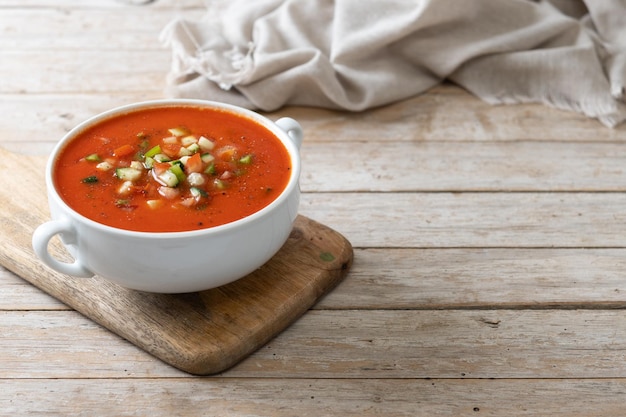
pixel 170 169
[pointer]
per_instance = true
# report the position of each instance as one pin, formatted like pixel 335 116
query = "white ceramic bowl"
pixel 172 262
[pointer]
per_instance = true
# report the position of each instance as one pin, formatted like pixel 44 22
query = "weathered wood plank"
pixel 466 166
pixel 478 220
pixel 379 344
pixel 314 397
pixel 443 279
pixel 482 278
pixel 80 29
pixel 60 345
pixel 47 116
pixel 18 294
pixel 100 71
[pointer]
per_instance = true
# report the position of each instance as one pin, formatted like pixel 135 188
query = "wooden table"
pixel 489 276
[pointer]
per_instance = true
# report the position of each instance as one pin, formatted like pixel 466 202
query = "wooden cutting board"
pixel 201 333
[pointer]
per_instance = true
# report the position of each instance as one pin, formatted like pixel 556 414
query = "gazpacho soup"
pixel 171 169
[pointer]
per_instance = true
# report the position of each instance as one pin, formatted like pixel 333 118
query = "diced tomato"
pixel 160 167
pixel 193 164
pixel 123 151
pixel 170 149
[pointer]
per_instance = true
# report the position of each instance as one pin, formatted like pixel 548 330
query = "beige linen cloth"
pixel 358 54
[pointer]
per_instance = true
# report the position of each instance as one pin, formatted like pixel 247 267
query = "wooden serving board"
pixel 201 333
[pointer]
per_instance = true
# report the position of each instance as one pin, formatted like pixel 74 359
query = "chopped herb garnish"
pixel 90 180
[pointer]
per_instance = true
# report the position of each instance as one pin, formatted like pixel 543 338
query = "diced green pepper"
pixel 153 151
pixel 177 169
pixel 246 159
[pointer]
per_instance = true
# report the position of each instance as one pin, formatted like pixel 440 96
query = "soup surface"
pixel 169 169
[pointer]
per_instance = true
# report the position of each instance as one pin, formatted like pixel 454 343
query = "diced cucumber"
pixel 161 157
pixel 136 165
pixel 193 148
pixel 170 140
pixel 125 188
pixel 207 158
pixel 188 140
pixel 104 166
pixel 184 152
pixel 168 178
pixel 195 179
pixel 178 131
pixel 205 144
pixel 128 173
pixel 148 163
pixel 197 193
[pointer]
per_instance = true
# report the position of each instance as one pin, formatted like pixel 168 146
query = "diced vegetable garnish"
pixel 168 178
pixel 184 152
pixel 128 173
pixel 153 151
pixel 126 188
pixel 198 192
pixel 123 151
pixel 178 131
pixel 210 169
pixel 94 157
pixel 174 168
pixel 154 204
pixel 195 179
pixel 90 180
pixel 188 140
pixel 177 169
pixel 161 157
pixel 193 163
pixel 169 193
pixel 219 184
pixel 104 166
pixel 205 144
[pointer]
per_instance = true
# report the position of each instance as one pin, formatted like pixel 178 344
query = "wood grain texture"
pixel 524 344
pixel 201 333
pixel 316 397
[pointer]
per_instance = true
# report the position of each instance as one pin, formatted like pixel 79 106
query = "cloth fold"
pixel 358 54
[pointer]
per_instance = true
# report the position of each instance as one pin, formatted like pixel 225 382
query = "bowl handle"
pixel 41 238
pixel 292 128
